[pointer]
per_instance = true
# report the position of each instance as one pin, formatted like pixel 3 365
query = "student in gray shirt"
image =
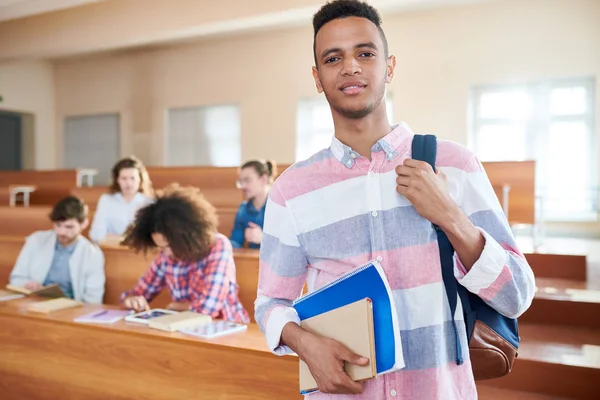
pixel 63 256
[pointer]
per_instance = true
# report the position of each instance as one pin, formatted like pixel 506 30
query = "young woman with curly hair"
pixel 194 262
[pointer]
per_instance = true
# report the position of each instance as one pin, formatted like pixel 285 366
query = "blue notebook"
pixel 366 281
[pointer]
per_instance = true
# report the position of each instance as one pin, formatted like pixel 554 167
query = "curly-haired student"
pixel 194 262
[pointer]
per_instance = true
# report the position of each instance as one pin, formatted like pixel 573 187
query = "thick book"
pixel 52 291
pixel 178 321
pixel 48 306
pixel 351 325
pixel 214 329
pixel 367 281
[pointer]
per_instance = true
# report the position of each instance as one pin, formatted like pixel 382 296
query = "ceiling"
pixel 13 9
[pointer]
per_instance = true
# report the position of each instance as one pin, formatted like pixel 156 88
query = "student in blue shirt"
pixel 255 179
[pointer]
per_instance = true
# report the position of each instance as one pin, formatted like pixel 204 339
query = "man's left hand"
pixel 425 189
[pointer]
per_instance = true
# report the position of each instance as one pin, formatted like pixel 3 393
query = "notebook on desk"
pixel 48 306
pixel 367 281
pixel 351 325
pixel 6 295
pixel 180 320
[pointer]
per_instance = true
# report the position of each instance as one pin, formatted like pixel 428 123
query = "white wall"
pixel 28 87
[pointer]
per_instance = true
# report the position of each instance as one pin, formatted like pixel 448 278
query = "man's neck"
pixel 361 134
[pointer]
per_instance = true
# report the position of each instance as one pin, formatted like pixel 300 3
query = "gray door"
pixel 92 142
pixel 10 142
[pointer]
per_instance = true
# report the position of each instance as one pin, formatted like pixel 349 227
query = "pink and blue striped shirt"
pixel 338 210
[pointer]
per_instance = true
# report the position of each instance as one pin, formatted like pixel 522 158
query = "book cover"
pixel 351 325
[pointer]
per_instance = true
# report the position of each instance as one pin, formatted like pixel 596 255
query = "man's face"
pixel 67 231
pixel 352 67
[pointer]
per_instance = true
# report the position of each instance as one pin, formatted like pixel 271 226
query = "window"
pixel 314 125
pixel 551 123
pixel 92 142
pixel 204 136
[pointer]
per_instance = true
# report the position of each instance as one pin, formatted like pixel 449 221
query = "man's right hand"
pixel 137 303
pixel 325 359
pixel 32 286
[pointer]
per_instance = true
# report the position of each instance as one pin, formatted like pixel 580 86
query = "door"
pixel 10 142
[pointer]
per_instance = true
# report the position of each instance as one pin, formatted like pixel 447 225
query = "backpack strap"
pixel 424 148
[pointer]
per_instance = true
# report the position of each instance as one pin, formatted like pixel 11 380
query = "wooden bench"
pixel 519 178
pixel 126 360
pixel 23 221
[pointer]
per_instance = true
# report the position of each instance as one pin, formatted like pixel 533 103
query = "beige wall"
pixel 28 87
pixel 441 54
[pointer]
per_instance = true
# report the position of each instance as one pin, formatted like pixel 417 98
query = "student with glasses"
pixel 255 179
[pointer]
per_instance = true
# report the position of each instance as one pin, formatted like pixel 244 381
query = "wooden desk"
pixel 123 267
pixel 52 357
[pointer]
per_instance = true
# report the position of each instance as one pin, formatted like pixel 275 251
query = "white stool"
pixel 24 190
pixel 88 174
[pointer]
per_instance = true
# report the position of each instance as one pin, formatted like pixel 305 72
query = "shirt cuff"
pixel 278 318
pixel 486 269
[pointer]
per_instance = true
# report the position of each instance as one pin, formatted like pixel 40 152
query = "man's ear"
pixel 315 73
pixel 85 224
pixel 391 67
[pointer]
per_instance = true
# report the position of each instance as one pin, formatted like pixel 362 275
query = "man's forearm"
pixel 294 337
pixel 466 239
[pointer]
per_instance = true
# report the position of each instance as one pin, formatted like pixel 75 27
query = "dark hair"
pixel 343 9
pixel 183 216
pixel 68 208
pixel 131 162
pixel 268 168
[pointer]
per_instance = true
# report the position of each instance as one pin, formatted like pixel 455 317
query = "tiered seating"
pixel 560 332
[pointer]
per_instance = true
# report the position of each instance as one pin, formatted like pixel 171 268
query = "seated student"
pixel 63 256
pixel 255 179
pixel 195 262
pixel 131 189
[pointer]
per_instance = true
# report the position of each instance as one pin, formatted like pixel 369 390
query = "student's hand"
pixel 179 306
pixel 32 286
pixel 426 190
pixel 253 234
pixel 325 359
pixel 137 303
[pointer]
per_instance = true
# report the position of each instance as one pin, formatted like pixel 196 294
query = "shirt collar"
pixel 70 248
pixel 389 144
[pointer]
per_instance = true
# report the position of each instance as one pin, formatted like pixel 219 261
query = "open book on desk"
pixel 51 291
pixel 367 281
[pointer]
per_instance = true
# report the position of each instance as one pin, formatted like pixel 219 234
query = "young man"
pixel 195 262
pixel 63 256
pixel 365 199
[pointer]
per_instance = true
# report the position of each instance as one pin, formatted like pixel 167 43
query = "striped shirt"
pixel 338 210
pixel 209 285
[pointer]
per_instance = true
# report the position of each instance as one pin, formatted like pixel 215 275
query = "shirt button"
pixel 379 258
pixel 352 155
pixel 393 392
pixel 374 213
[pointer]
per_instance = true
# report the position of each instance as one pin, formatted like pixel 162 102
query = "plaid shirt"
pixel 209 285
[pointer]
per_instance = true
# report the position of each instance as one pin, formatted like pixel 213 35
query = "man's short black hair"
pixel 70 207
pixel 343 9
